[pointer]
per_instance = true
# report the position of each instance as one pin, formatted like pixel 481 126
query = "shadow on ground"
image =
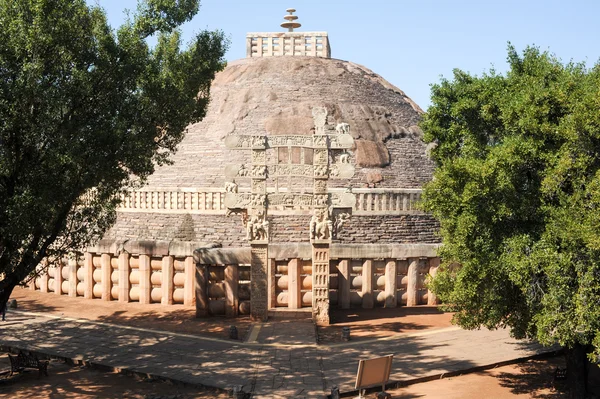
pixel 382 322
pixel 66 381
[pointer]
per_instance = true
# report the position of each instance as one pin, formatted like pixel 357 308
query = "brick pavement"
pixel 282 361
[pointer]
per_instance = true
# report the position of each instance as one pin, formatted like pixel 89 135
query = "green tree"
pixel 517 193
pixel 86 111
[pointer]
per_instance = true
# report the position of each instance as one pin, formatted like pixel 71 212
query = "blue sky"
pixel 411 43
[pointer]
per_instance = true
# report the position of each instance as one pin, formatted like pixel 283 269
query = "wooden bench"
pixel 22 361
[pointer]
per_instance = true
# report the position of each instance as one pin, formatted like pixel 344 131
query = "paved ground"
pixel 278 359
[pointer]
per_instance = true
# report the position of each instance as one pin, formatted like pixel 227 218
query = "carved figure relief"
pixel 258 200
pixel 258 186
pixel 245 142
pixel 321 170
pixel 341 170
pixel 243 171
pixel 345 158
pixel 320 118
pixel 321 199
pixel 342 128
pixel 259 141
pixel 257 228
pixel 320 141
pixel 320 186
pixel 320 225
pixel 231 187
pixel 259 156
pixel 290 170
pixel 287 141
pixel 335 171
pixel 320 156
pixel 259 171
pixel 340 220
pixel 290 199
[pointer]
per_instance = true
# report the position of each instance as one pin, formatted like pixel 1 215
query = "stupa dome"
pixel 275 96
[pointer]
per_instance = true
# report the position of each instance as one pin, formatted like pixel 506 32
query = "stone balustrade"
pixel 273 44
pixel 218 280
pixel 135 271
pixel 202 201
pixel 384 201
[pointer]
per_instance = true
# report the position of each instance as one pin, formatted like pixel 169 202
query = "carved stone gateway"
pixel 327 143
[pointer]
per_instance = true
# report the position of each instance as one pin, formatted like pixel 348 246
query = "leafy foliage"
pixel 85 111
pixel 517 192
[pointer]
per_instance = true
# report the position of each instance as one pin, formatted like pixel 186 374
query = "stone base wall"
pixel 229 231
pixel 396 229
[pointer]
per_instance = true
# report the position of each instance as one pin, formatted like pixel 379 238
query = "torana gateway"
pixel 296 194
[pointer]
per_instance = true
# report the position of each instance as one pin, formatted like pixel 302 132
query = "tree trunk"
pixel 6 288
pixel 577 371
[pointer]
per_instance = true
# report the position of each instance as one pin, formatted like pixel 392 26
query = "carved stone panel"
pixel 245 142
pixel 259 157
pixel 320 141
pixel 320 156
pixel 321 171
pixel 285 170
pixel 296 200
pixel 257 227
pixel 321 200
pixel 259 186
pixel 289 141
pixel 258 282
pixel 320 280
pixel 320 186
pixel 258 200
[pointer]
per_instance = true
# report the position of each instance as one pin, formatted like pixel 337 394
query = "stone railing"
pixel 201 200
pixel 125 271
pixel 385 201
pixel 272 44
pixel 217 280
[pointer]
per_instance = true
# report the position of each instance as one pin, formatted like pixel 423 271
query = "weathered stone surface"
pixel 276 95
pixel 370 154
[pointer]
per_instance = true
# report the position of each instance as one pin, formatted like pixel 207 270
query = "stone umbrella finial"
pixel 290 19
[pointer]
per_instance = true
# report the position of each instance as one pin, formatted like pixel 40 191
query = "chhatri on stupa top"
pixel 290 43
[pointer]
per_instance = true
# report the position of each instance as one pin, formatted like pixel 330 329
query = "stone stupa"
pixel 299 155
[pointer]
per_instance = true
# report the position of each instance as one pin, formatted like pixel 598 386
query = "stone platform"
pixel 279 360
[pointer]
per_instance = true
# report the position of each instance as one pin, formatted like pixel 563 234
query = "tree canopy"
pixel 517 193
pixel 86 110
